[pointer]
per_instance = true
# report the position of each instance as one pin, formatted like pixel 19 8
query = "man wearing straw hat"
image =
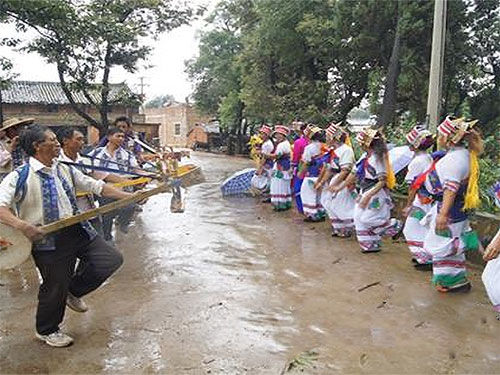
pixel 11 152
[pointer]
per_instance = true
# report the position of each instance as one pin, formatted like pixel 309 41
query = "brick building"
pixel 176 119
pixel 47 103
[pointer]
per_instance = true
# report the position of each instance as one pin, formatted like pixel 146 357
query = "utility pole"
pixel 142 85
pixel 437 64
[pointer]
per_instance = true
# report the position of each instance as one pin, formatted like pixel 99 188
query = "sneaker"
pixel 76 304
pixel 56 339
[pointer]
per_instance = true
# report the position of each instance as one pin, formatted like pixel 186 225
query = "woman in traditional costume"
pixel 262 178
pixel 338 203
pixel 310 168
pixel 419 200
pixel 372 212
pixel 491 273
pixel 299 146
pixel 281 192
pixel 453 183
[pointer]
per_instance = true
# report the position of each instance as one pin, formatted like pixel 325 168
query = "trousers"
pixel 98 261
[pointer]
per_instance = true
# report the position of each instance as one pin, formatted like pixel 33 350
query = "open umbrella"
pixel 400 157
pixel 238 183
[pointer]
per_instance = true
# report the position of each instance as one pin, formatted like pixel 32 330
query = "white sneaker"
pixel 76 304
pixel 56 339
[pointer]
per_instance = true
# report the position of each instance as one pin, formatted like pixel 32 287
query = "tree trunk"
pixel 240 132
pixel 72 102
pixel 388 110
pixel 104 108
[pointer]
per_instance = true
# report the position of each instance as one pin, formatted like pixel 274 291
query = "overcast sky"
pixel 165 77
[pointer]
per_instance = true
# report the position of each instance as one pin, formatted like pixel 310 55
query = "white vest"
pixel 31 207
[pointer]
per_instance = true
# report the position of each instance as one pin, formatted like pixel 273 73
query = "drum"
pixel 15 248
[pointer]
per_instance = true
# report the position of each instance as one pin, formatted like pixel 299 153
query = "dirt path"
pixel 229 287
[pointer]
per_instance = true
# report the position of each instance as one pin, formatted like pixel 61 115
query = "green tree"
pixel 216 71
pixel 87 39
pixel 483 46
pixel 6 75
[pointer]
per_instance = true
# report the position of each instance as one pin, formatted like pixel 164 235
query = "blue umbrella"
pixel 238 183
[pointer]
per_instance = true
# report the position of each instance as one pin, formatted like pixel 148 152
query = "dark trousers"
pixel 98 261
pixel 123 217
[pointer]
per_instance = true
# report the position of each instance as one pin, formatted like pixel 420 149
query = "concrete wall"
pixel 176 121
pixel 197 135
pixel 63 115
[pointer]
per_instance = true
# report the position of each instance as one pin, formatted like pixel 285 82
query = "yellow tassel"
pixel 472 199
pixel 348 141
pixel 391 178
pixel 254 143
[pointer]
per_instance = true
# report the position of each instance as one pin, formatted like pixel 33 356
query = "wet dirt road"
pixel 230 287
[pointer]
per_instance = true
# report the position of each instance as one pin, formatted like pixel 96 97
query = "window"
pixel 177 129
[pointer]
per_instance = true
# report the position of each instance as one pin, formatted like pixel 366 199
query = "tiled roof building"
pixel 47 103
pixel 34 92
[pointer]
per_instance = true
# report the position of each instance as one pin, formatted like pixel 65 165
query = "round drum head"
pixel 15 248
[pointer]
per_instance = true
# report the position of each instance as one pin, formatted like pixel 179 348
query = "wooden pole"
pixel 139 196
pixel 437 64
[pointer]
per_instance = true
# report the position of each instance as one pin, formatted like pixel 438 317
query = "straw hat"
pixel 307 130
pixel 314 130
pixel 15 121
